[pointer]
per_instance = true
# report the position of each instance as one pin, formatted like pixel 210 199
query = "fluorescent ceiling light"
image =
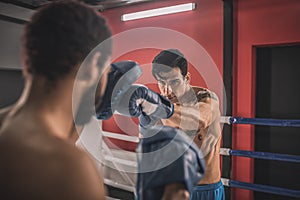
pixel 158 11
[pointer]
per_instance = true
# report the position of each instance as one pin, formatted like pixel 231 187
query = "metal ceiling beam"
pixel 16 14
pixel 18 11
pixel 110 4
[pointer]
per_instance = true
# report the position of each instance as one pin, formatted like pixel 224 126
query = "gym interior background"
pixel 255 45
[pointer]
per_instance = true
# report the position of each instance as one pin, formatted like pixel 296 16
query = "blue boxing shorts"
pixel 166 155
pixel 213 191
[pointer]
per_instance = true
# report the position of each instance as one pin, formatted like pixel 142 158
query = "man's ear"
pixel 94 68
pixel 188 77
pixel 90 71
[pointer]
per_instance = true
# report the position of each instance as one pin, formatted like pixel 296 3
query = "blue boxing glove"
pixel 149 106
pixel 165 156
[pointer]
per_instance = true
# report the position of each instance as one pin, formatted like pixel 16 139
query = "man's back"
pixel 38 165
pixel 37 159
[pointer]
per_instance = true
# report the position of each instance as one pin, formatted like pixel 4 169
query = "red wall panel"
pixel 259 22
pixel 203 25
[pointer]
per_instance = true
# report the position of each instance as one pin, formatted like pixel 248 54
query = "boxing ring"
pixel 123 160
pixel 260 155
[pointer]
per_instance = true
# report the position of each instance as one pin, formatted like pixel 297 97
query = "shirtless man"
pixel 37 158
pixel 196 112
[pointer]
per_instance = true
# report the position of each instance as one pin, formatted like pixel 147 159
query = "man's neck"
pixel 53 108
pixel 189 97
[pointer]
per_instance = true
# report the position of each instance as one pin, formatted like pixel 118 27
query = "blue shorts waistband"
pixel 212 186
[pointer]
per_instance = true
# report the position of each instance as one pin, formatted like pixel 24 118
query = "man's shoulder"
pixel 39 146
pixel 39 155
pixel 45 162
pixel 204 93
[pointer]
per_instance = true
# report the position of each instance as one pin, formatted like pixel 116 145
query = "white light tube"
pixel 158 11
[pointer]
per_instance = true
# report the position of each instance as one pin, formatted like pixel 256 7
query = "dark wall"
pixel 10 48
pixel 11 86
pixel 11 81
pixel 278 96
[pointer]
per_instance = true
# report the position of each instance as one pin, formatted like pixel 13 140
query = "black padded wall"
pixel 277 96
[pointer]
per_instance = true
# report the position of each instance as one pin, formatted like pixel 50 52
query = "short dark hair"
pixel 168 59
pixel 59 37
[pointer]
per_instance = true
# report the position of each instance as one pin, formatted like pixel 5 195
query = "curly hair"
pixel 168 59
pixel 59 37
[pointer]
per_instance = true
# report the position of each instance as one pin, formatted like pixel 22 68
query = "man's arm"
pixel 194 117
pixel 176 191
pixel 201 118
pixel 81 178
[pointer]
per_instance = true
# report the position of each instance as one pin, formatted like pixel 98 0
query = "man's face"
pixel 96 89
pixel 102 85
pixel 172 84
